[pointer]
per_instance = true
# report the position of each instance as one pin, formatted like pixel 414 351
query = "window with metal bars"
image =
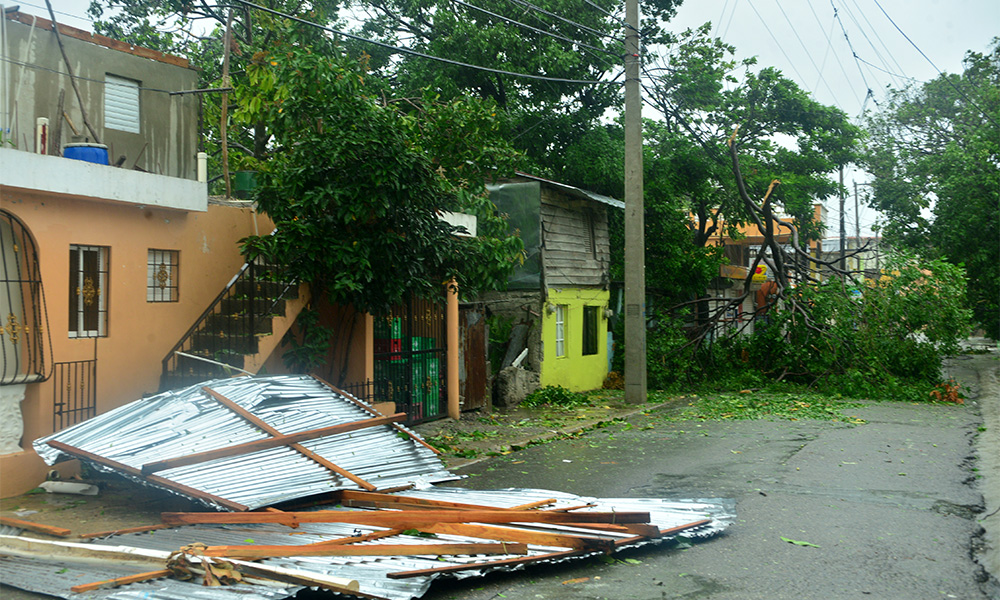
pixel 88 291
pixel 25 342
pixel 162 275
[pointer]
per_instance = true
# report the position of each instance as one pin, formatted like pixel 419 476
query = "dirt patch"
pixel 120 504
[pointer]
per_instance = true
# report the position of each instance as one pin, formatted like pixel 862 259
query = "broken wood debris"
pixel 36 527
pixel 403 518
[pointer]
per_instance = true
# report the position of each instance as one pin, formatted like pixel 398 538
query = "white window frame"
pixel 561 310
pixel 101 291
pixel 162 275
pixel 121 104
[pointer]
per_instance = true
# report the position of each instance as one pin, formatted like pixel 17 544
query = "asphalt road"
pixel 893 508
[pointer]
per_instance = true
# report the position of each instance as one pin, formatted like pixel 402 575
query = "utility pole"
pixel 635 246
pixel 843 225
pixel 857 227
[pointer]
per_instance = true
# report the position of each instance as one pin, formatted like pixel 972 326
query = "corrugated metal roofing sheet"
pixel 371 572
pixel 188 421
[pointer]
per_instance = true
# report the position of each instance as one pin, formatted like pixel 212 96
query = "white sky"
pixel 805 41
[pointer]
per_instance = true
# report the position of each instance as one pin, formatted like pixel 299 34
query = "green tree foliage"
pixel 934 152
pixel 883 337
pixel 544 116
pixel 783 134
pixel 355 185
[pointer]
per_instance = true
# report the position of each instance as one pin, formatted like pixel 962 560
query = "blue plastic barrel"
pixel 92 153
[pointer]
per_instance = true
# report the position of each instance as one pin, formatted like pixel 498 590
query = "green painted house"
pixel 558 298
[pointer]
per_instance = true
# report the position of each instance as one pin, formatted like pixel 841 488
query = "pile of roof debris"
pixel 367 523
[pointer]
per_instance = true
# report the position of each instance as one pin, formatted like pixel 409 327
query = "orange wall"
pixel 140 333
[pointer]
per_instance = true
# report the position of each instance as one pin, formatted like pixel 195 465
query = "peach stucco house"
pixel 103 268
pixel 106 272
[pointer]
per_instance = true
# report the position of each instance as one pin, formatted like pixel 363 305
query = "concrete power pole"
pixel 635 246
pixel 843 225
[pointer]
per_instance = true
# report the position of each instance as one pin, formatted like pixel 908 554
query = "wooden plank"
pixel 113 464
pixel 527 536
pixel 444 549
pixel 537 504
pixel 663 532
pixel 104 534
pixel 36 527
pixel 371 410
pixel 406 519
pixel 403 501
pixel 274 442
pixel 119 581
pixel 486 564
pixel 260 423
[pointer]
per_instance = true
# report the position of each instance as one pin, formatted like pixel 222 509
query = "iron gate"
pixel 75 393
pixel 410 360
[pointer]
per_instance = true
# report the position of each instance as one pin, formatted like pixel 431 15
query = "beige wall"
pixel 140 333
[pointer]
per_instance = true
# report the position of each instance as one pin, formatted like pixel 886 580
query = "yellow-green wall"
pixel 574 371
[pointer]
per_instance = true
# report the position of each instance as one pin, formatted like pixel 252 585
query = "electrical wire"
pixel 948 79
pixel 535 29
pixel 864 34
pixel 777 43
pixel 65 14
pixel 869 94
pixel 581 26
pixel 81 77
pixel 808 54
pixel 829 47
pixel 401 50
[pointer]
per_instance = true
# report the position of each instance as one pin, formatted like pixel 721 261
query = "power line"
pixel 401 50
pixel 65 14
pixel 829 47
pixel 864 34
pixel 777 43
pixel 565 20
pixel 948 79
pixel 808 54
pixel 535 29
pixel 80 77
pixel 869 93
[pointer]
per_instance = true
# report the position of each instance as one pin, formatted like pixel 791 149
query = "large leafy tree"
pixel 554 39
pixel 934 153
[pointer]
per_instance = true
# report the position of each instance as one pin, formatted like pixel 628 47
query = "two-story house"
pixel 103 267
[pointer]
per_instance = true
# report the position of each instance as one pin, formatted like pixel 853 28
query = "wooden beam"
pixel 527 536
pixel 537 504
pixel 470 549
pixel 405 519
pixel 36 527
pixel 509 562
pixel 161 481
pixel 350 397
pixel 118 581
pixel 103 534
pixel 263 426
pixel 274 442
pixel 402 502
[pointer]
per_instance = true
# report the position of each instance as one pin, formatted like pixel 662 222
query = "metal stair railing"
pixel 226 331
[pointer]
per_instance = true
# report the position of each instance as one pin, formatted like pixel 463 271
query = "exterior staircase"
pixel 239 331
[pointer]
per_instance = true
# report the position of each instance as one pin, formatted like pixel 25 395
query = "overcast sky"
pixel 807 42
pixel 810 45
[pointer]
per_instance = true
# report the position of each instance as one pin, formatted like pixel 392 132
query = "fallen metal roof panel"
pixel 371 572
pixel 188 421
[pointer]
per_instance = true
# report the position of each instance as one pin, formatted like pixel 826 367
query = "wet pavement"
pixel 891 509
